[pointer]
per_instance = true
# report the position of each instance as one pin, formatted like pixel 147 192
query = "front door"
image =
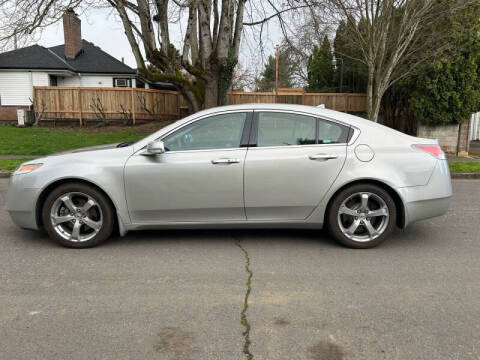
pixel 199 178
pixel 293 162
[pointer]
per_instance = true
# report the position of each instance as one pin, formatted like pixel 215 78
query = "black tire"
pixel 332 216
pixel 104 204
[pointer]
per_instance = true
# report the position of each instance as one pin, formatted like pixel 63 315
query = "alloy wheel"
pixel 363 216
pixel 76 217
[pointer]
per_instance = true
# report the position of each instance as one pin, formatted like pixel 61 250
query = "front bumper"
pixel 431 200
pixel 21 202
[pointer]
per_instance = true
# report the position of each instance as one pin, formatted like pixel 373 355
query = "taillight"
pixel 434 150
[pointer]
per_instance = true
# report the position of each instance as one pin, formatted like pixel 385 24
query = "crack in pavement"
pixel 244 319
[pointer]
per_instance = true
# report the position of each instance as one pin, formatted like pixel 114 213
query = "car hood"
pixel 89 148
pixel 90 154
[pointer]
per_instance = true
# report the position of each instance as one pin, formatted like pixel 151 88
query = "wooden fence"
pixel 100 103
pixel 131 105
pixel 347 102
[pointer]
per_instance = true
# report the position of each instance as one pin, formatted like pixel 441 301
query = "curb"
pixel 473 175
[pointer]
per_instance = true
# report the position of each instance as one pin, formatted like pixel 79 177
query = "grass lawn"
pixel 44 141
pixel 472 166
pixel 10 164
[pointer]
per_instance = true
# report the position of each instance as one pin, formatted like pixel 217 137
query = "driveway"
pixel 186 295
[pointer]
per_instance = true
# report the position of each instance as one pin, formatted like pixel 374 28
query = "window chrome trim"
pixel 201 118
pixel 355 135
pixel 203 150
pixel 178 128
pixel 253 148
pixel 356 130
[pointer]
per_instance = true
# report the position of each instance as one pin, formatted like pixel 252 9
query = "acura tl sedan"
pixel 243 166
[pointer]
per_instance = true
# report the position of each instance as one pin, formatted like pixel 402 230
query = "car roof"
pixel 327 114
pixel 322 112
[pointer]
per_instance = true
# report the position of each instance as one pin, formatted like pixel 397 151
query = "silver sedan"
pixel 244 166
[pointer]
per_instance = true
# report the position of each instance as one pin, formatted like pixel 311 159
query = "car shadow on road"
pixel 144 236
pixel 321 238
pixel 415 235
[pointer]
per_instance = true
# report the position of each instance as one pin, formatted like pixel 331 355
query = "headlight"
pixel 24 169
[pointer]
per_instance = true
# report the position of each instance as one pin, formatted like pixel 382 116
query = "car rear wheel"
pixel 362 216
pixel 77 215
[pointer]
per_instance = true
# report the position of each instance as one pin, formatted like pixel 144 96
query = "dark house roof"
pixel 31 57
pixel 91 59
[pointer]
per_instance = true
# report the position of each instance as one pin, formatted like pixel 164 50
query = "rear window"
pixel 332 133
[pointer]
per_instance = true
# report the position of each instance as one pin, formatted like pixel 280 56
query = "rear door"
pixel 292 161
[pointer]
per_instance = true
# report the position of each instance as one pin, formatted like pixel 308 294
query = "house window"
pixel 53 80
pixel 122 82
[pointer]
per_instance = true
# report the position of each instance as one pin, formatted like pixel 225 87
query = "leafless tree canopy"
pixel 391 35
pixel 21 20
pixel 201 66
pixel 394 36
pixel 243 78
pixel 305 29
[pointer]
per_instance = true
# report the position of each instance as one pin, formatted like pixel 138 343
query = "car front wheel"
pixel 77 215
pixel 362 216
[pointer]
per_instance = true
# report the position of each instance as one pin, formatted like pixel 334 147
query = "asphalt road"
pixel 181 294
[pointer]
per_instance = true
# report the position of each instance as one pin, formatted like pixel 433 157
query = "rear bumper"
pixel 431 200
pixel 426 209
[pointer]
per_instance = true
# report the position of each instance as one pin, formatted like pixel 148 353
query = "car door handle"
pixel 225 161
pixel 322 157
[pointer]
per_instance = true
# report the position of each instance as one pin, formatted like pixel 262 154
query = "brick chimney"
pixel 72 31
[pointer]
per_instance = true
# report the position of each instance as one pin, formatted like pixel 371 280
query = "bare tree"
pixel 243 78
pixel 308 28
pixel 126 115
pixel 40 110
pixel 21 20
pixel 202 66
pixel 156 108
pixel 98 111
pixel 395 37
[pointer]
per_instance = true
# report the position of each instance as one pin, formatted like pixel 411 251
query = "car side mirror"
pixel 156 147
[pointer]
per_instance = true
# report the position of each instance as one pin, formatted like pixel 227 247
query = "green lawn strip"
pixel 471 166
pixel 11 164
pixel 43 141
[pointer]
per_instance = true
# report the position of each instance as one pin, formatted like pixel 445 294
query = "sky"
pixel 100 27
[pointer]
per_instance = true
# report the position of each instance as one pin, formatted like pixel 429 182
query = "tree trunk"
pixel 370 95
pixel 211 92
pixel 375 93
pixel 376 103
pixel 193 104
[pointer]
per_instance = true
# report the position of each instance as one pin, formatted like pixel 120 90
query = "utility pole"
pixel 334 62
pixel 276 68
pixel 341 76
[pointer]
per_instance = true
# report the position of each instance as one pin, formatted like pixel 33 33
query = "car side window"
pixel 283 129
pixel 215 132
pixel 332 133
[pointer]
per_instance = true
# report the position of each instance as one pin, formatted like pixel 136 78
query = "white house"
pixel 76 63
